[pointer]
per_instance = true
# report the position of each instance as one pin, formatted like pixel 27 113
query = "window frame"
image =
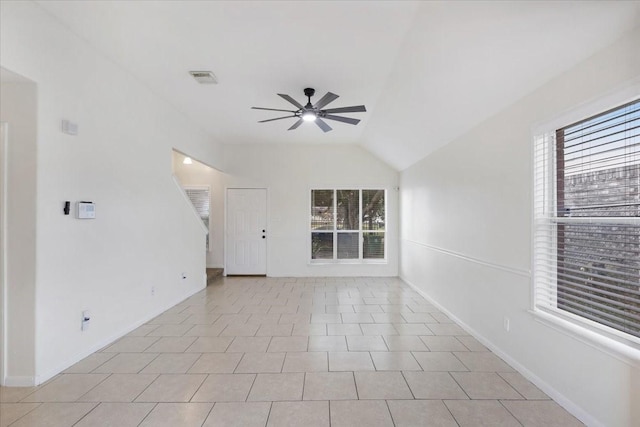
pixel 544 198
pixel 335 231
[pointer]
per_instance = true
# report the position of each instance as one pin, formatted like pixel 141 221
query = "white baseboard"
pixel 39 379
pixel 19 381
pixel 561 399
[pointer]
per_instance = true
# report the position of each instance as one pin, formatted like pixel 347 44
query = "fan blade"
pixel 291 100
pixel 323 125
pixel 329 97
pixel 272 109
pixel 296 124
pixel 278 118
pixel 354 109
pixel 342 119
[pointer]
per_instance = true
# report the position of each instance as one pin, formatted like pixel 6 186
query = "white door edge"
pixel 4 127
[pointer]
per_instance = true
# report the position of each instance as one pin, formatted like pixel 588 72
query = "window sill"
pixel 348 262
pixel 627 353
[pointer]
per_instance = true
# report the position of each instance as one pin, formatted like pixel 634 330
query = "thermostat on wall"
pixel 86 210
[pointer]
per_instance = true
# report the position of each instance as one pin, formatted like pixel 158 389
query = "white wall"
pixel 144 235
pixel 198 174
pixel 466 242
pixel 18 107
pixel 289 172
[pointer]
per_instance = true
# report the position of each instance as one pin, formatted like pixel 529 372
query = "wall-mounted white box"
pixel 86 210
pixel 69 127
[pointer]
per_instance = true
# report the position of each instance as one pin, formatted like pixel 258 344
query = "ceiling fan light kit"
pixel 308 116
pixel 314 112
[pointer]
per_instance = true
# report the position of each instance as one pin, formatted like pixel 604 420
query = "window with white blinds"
pixel 201 201
pixel 347 225
pixel 587 222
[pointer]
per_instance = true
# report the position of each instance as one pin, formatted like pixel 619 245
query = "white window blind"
pixel 201 200
pixel 587 222
pixel 347 225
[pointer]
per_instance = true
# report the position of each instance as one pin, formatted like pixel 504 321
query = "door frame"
pixel 226 219
pixel 4 140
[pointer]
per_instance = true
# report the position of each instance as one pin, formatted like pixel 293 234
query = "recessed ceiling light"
pixel 204 77
pixel 187 161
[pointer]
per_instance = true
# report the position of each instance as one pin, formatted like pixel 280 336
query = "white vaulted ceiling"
pixel 426 71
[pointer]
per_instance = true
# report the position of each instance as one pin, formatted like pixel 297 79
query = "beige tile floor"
pixel 290 352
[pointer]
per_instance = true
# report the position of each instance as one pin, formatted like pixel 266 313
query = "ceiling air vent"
pixel 204 77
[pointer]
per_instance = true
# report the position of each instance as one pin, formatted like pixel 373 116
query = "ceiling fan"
pixel 315 113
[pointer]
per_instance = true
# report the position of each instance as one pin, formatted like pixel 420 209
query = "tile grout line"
pixel 458 384
pixel 355 384
pixel 149 413
pixel 393 421
pixel 444 403
pixel 85 415
pixel 507 409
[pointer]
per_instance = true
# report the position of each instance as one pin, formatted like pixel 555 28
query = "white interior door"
pixel 246 231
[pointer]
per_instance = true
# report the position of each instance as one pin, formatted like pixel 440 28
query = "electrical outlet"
pixel 153 290
pixel 86 318
pixel 506 323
